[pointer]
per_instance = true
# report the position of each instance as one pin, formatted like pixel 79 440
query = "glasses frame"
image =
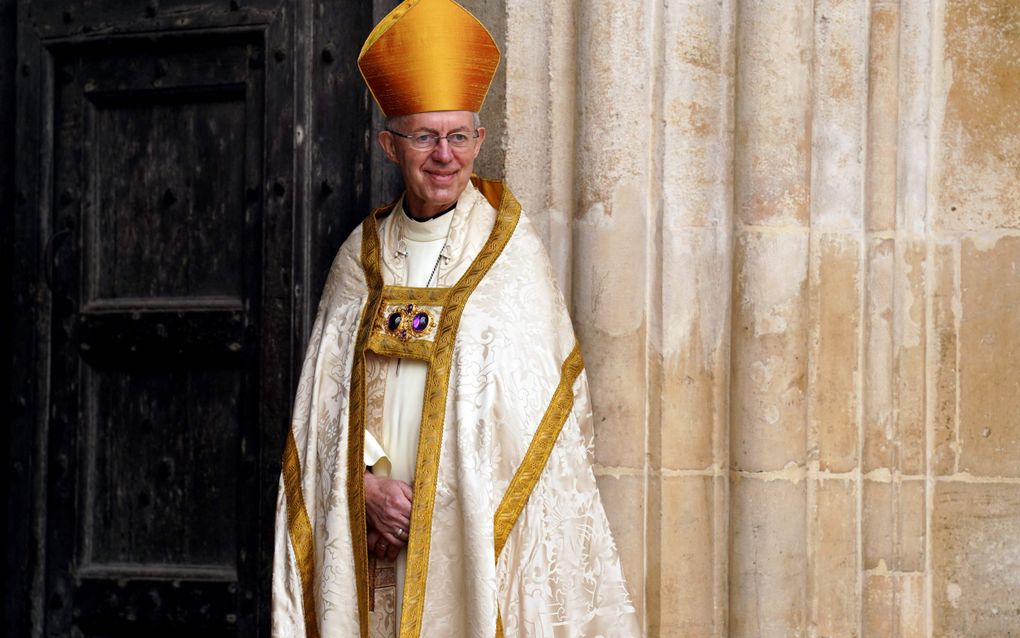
pixel 435 139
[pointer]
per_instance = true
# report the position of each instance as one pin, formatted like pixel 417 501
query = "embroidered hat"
pixel 428 55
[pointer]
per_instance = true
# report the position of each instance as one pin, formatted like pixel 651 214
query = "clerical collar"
pixel 432 229
pixel 425 221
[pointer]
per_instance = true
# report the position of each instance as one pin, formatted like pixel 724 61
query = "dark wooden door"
pixel 186 170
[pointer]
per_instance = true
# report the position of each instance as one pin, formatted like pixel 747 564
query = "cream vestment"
pixel 423 246
pixel 508 535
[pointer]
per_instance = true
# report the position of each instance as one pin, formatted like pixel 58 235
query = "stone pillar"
pixel 607 104
pixel 790 235
pixel 893 464
pixel 614 249
pixel 768 406
pixel 690 308
pixel 973 542
pixel 835 300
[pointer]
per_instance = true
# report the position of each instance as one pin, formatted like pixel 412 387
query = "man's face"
pixel 434 178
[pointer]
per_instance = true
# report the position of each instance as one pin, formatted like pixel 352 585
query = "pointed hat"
pixel 428 55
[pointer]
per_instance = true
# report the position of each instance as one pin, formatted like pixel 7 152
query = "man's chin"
pixel 444 193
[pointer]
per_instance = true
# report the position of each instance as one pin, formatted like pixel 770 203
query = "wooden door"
pixel 187 178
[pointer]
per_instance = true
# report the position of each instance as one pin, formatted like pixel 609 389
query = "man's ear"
pixel 481 138
pixel 388 145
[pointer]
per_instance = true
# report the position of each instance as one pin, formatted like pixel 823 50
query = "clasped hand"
pixel 388 506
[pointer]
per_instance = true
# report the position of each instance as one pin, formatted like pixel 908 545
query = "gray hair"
pixel 396 122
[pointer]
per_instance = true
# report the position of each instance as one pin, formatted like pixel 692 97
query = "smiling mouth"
pixel 441 177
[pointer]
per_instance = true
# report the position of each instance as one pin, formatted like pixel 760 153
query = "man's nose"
pixel 442 152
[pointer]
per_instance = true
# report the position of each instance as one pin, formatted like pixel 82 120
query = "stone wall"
pixel 790 235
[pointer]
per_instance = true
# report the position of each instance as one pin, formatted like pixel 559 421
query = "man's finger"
pixel 406 489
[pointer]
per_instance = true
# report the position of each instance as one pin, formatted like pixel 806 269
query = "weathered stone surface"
pixel 613 345
pixel 910 356
pixel 695 362
pixel 835 570
pixel 611 219
pixel 883 122
pixel 769 351
pixel 879 609
pixel 799 220
pixel 911 604
pixel 686 583
pixel 697 78
pixel 910 515
pixel 838 106
pixel 979 149
pixel 895 356
pixel 834 350
pixel 945 304
pixel 894 605
pixel 894 525
pixel 990 357
pixel 768 549
pixel 976 552
pixel 773 119
pixel 878 362
pixel 614 135
pixel 913 137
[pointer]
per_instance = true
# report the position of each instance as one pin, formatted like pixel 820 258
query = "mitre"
pixel 428 55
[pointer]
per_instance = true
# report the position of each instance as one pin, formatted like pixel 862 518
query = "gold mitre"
pixel 428 55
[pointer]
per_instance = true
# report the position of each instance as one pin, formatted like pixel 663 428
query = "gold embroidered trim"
pixel 530 469
pixel 356 422
pixel 422 296
pixel 300 533
pixel 434 407
pixel 389 346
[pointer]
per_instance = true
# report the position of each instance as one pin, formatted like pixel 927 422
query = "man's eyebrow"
pixel 424 129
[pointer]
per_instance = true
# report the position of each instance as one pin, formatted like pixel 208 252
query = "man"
pixel 437 477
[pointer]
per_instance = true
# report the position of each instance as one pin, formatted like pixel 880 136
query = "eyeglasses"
pixel 428 141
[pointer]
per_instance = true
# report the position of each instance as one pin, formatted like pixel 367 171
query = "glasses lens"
pixel 424 141
pixel 459 140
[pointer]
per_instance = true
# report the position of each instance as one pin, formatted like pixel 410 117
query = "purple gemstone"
pixel 421 321
pixel 403 334
pixel 394 321
pixel 410 307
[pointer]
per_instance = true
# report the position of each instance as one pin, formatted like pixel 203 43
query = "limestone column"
pixel 614 249
pixel 768 397
pixel 541 76
pixel 634 106
pixel 578 157
pixel 894 441
pixel 973 557
pixel 835 299
pixel 689 309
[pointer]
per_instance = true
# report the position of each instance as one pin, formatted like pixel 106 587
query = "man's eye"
pixel 424 138
pixel 457 138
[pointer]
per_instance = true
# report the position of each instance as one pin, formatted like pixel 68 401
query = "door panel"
pixel 173 227
pixel 186 173
pixel 155 355
pixel 159 488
